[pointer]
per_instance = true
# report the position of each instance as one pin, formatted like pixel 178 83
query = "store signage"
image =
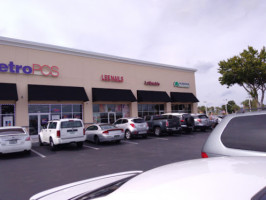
pixel 151 83
pixel 111 78
pixel 181 84
pixel 35 69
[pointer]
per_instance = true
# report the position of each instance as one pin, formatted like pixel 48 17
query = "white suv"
pixel 63 131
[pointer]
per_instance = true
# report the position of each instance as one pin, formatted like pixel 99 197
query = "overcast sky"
pixel 187 33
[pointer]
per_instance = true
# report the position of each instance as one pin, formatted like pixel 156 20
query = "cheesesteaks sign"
pixel 35 69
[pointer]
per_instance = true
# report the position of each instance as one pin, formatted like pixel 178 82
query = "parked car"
pixel 63 131
pixel 159 124
pixel 201 122
pixel 238 178
pixel 98 133
pixel 14 139
pixel 238 135
pixel 132 127
pixel 186 120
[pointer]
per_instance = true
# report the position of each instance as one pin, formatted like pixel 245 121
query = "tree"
pixel 232 107
pixel 252 103
pixel 248 70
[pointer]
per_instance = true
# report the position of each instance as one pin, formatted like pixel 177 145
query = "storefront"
pixel 41 82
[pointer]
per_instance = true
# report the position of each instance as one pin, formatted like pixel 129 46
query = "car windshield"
pixel 71 124
pixel 202 116
pixel 139 120
pixel 12 131
pixel 160 117
pixel 107 126
pixel 103 191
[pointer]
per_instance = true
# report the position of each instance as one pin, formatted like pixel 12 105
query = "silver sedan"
pixel 98 133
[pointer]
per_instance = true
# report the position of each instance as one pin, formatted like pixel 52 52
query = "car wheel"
pixel 40 141
pixel 127 135
pixel 157 131
pixel 79 144
pixel 52 145
pixel 96 140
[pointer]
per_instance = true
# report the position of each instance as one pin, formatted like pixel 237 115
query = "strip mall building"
pixel 40 82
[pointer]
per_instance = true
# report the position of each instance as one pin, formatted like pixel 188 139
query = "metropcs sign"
pixel 35 69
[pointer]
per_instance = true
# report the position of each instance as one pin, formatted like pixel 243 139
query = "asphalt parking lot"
pixel 24 175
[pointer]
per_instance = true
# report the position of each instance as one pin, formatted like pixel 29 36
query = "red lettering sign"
pixel 151 83
pixel 111 78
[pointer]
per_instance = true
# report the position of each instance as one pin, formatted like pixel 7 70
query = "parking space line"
pixel 39 154
pixel 130 142
pixel 91 147
pixel 158 138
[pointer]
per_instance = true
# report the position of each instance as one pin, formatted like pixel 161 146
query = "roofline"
pixel 77 52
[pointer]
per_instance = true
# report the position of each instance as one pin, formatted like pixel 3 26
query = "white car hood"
pixel 206 179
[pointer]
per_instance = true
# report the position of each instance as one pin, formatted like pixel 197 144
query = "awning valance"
pixel 8 91
pixel 118 95
pixel 56 93
pixel 183 97
pixel 152 96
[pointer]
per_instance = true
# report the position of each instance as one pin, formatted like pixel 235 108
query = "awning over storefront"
pixel 8 91
pixel 56 93
pixel 103 94
pixel 152 96
pixel 183 97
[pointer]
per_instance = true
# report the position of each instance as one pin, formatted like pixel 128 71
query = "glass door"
pixel 37 122
pixel 111 117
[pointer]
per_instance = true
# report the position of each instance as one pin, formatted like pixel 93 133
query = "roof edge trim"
pixel 77 52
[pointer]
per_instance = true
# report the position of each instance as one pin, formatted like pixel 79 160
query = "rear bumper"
pixel 69 140
pixel 173 129
pixel 110 138
pixel 26 146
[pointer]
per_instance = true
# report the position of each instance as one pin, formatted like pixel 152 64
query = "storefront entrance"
pixel 37 122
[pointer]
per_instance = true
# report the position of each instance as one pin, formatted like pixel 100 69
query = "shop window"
pixel 150 109
pixel 39 109
pixel 101 112
pixel 96 108
pixel 7 115
pixel 181 108
pixel 56 109
pixel 66 108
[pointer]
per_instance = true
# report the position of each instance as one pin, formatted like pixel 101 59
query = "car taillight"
pixel 84 131
pixel 58 134
pixel 167 123
pixel 106 132
pixel 199 120
pixel 133 125
pixel 27 139
pixel 182 120
pixel 204 155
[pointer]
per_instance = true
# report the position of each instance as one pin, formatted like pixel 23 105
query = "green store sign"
pixel 181 84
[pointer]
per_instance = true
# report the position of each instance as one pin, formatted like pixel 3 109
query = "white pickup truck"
pixel 63 131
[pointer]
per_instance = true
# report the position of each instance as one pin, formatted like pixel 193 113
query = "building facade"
pixel 41 82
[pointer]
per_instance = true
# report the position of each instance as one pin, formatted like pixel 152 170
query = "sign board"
pixel 181 84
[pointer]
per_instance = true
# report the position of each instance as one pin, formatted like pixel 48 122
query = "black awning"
pixel 152 96
pixel 56 93
pixel 103 94
pixel 8 91
pixel 183 97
